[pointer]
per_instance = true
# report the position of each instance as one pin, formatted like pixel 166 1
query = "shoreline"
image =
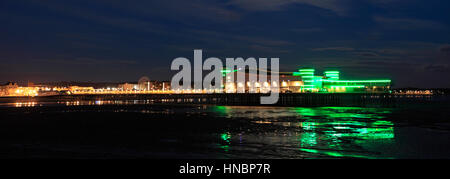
pixel 236 99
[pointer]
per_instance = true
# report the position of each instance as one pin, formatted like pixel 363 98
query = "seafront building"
pixel 304 80
pixel 330 82
pixel 13 89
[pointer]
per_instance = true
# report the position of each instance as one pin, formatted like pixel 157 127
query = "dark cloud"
pixel 437 68
pixel 307 30
pixel 445 48
pixel 268 49
pixel 366 54
pixel 334 49
pixel 407 23
pixel 87 61
pixel 338 6
pixel 389 64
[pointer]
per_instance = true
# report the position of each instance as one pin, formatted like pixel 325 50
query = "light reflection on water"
pixel 301 132
pixel 25 104
pixel 321 131
pixel 75 103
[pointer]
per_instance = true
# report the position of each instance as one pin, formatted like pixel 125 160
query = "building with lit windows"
pixel 304 80
pixel 252 83
pixel 330 82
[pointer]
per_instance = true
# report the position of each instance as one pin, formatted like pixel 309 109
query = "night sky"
pixel 113 40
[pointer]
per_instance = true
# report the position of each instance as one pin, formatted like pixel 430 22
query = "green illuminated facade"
pixel 307 75
pixel 334 75
pixel 331 83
